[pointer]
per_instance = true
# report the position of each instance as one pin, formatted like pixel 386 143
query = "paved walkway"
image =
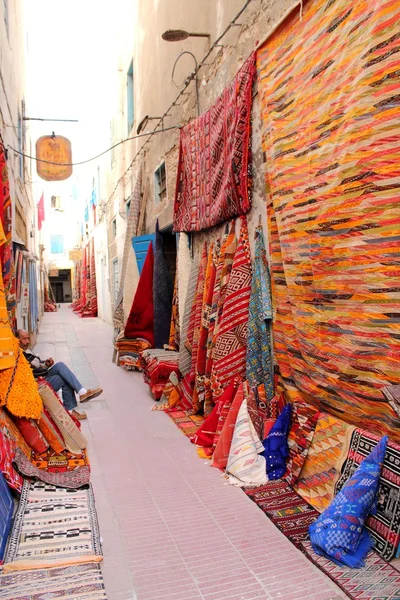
pixel 171 528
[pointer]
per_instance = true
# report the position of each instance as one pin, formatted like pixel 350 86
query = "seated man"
pixel 59 376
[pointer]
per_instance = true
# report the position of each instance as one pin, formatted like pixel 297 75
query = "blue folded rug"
pixel 276 448
pixel 339 533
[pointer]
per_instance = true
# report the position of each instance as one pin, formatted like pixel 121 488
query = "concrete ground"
pixel 171 527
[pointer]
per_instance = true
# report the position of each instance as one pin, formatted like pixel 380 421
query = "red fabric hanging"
pixel 140 323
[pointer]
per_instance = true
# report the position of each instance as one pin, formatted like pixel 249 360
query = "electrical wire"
pixel 82 162
pixel 181 93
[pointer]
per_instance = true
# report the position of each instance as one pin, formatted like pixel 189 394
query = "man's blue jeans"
pixel 60 377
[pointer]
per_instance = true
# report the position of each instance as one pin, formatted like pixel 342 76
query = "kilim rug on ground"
pixel 72 479
pixel 384 526
pixel 286 509
pixel 214 168
pixel 53 527
pixel 61 583
pixel 330 116
pixel 186 422
pixel 378 580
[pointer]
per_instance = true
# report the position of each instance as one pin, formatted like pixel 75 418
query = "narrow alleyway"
pixel 171 529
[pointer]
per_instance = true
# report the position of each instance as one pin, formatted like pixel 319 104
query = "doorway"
pixel 60 281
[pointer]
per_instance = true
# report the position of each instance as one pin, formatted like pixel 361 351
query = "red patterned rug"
pixel 286 509
pixel 187 423
pixel 378 580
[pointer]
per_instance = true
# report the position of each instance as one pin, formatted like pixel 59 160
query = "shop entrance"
pixel 60 281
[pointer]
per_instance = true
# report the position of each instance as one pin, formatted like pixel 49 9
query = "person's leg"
pixel 68 394
pixel 67 375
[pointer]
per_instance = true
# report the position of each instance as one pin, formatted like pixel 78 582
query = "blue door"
pixel 140 245
pixel 6 514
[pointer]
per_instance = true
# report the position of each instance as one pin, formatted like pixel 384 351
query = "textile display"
pixel 304 421
pixel 213 318
pixel 187 422
pixel 140 323
pixel 201 360
pixel 163 288
pixel 41 533
pixel 54 462
pixel 384 525
pixel 225 269
pixel 130 283
pixel 64 583
pixel 184 264
pixel 33 298
pixel 276 450
pixel 286 509
pixel 8 448
pixel 6 514
pixel 11 431
pixel 74 440
pixel 246 465
pixel 51 432
pixel 185 355
pixel 377 580
pixel 339 533
pixel 330 123
pixel 129 351
pixel 132 222
pixel 256 412
pixel 214 169
pixel 229 406
pixel 31 434
pixel 73 479
pixel 259 367
pixel 188 401
pixel 392 395
pixel 205 434
pixel 18 388
pixel 157 367
pixel 174 330
pixel 321 469
pixel 19 257
pixel 230 345
pixel 7 352
pixel 6 245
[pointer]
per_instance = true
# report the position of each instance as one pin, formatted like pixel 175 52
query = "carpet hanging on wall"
pixel 330 128
pixel 214 169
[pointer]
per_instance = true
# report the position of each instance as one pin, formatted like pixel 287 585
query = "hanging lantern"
pixel 54 149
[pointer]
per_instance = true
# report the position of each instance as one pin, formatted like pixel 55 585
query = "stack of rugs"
pixel 52 544
pixel 158 365
pixel 333 489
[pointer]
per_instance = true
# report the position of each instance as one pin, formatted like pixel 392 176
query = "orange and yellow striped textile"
pixel 329 92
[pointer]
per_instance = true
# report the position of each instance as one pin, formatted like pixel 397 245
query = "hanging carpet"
pixel 140 323
pixel 41 534
pixel 185 356
pixel 231 342
pixel 6 249
pixel 259 353
pixel 214 168
pixel 330 126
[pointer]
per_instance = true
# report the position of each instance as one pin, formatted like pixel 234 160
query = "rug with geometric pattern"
pixel 83 582
pixel 53 527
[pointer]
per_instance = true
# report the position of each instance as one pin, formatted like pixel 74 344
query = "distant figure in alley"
pixel 59 376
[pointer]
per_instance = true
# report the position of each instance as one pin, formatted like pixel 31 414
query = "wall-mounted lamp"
pixel 144 121
pixel 177 35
